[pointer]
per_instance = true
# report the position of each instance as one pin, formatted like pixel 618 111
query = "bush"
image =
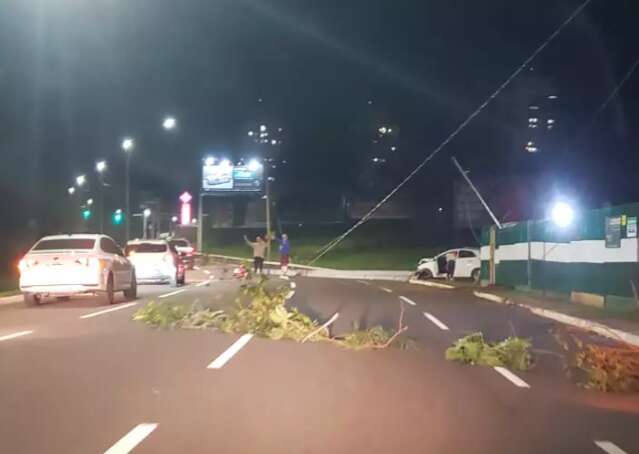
pixel 512 352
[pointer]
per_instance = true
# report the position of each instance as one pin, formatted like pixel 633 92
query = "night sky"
pixel 76 76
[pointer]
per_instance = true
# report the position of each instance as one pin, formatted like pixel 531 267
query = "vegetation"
pixel 262 311
pixel 513 352
pixel 600 367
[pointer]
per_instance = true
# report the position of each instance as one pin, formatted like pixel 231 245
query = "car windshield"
pixel 145 248
pixel 65 243
pixel 179 243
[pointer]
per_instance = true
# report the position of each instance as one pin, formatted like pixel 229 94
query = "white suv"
pixel 65 265
pixel 155 261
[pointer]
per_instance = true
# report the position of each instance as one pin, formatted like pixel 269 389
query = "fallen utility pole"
pixel 472 186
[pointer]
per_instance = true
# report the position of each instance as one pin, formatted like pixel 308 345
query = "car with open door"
pixel 66 265
pixel 467 264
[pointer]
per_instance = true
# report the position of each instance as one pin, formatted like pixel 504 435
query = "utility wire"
pixel 454 134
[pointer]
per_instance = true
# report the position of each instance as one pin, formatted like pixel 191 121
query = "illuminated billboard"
pixel 225 177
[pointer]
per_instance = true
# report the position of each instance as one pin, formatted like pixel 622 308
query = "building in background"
pixel 541 124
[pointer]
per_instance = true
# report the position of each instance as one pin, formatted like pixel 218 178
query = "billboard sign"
pixel 226 177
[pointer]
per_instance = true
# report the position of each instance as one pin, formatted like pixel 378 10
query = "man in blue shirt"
pixel 285 252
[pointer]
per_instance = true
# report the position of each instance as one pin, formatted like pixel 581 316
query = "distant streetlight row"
pixel 169 123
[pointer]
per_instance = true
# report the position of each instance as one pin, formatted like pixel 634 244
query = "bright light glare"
pixel 562 214
pixel 100 166
pixel 71 190
pixel 209 161
pixel 147 212
pixel 254 165
pixel 169 123
pixel 250 133
pixel 127 144
pixel 262 128
pixel 90 202
pixel 174 219
pixel 225 163
pixel 80 180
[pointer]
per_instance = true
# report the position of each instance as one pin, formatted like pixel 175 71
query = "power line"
pixel 454 134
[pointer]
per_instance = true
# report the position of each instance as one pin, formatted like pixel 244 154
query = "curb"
pixel 589 325
pixel 241 259
pixel 10 299
pixel 431 284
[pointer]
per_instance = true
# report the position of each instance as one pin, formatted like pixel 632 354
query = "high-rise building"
pixel 541 123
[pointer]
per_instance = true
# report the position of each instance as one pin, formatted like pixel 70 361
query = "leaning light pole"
pixel 100 167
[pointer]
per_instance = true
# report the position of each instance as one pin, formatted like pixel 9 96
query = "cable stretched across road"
pixel 330 245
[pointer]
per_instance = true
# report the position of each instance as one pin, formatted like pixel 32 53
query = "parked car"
pixel 467 265
pixel 155 261
pixel 65 265
pixel 186 251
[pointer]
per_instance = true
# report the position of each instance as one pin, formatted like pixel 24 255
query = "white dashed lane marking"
pixel 387 290
pixel 132 439
pixel 364 282
pixel 14 335
pixel 106 311
pixel 177 292
pixel 230 352
pixel 436 321
pixel 408 301
pixel 514 379
pixel 610 447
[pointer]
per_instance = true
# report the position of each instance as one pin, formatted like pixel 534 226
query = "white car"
pixel 155 261
pixel 467 265
pixel 65 265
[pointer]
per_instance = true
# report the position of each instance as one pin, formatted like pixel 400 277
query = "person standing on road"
pixel 451 257
pixel 259 248
pixel 285 252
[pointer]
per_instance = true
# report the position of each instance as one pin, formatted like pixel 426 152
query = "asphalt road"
pixel 76 379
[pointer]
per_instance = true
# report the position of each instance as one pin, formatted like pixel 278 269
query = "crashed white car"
pixel 467 265
pixel 65 265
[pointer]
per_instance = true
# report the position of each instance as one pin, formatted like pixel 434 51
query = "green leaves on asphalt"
pixel 261 310
pixel 512 352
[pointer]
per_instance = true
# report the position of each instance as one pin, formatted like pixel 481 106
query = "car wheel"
pixel 475 274
pixel 424 275
pixel 31 299
pixel 108 296
pixel 132 292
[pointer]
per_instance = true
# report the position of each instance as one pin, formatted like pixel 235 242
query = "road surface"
pixel 80 378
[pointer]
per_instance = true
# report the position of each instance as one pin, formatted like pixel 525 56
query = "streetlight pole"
pixel 100 167
pixel 127 146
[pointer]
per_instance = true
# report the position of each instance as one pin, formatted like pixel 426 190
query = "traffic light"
pixel 118 217
pixel 86 214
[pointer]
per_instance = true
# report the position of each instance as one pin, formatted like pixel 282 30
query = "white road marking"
pixel 436 321
pixel 132 439
pixel 364 282
pixel 609 447
pixel 177 292
pixel 106 311
pixel 408 300
pixel 293 284
pixel 197 268
pixel 514 379
pixel 207 272
pixel 203 283
pixel 290 294
pixel 230 352
pixel 387 290
pixel 14 335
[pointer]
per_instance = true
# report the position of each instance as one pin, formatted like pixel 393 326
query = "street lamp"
pixel 89 202
pixel 71 190
pixel 145 219
pixel 127 146
pixel 80 180
pixel 100 167
pixel 169 123
pixel 562 214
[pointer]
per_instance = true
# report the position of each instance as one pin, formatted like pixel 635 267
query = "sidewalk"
pixel 610 324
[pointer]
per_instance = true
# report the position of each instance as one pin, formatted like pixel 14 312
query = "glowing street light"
pixel 169 123
pixel 89 202
pixel 562 214
pixel 80 180
pixel 146 212
pixel 71 190
pixel 225 163
pixel 251 133
pixel 174 219
pixel 254 165
pixel 262 128
pixel 100 166
pixel 128 144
